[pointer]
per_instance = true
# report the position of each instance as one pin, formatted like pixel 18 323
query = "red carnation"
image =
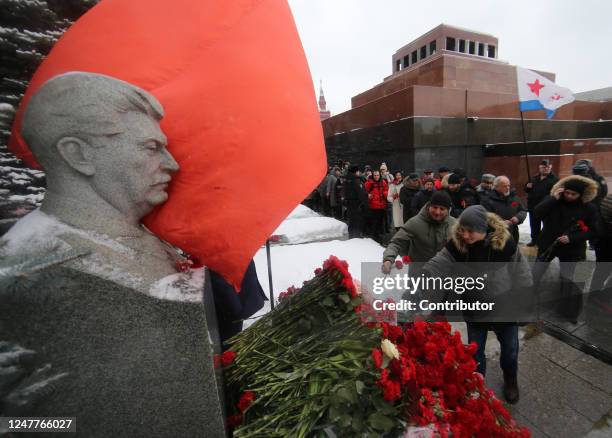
pixel 406 259
pixel 399 264
pixel 391 390
pixel 514 203
pixel 471 348
pixel 377 357
pixel 318 271
pixel 234 420
pixel 584 227
pixel 406 374
pixel 227 358
pixel 246 400
pixel 350 286
pixel 184 264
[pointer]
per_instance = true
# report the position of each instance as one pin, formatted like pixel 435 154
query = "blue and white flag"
pixel 538 93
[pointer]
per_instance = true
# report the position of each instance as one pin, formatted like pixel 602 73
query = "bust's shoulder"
pixel 34 233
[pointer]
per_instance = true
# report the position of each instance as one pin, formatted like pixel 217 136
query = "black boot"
pixel 511 390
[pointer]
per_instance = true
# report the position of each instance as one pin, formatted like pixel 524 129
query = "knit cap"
pixel 440 198
pixel 576 185
pixel 474 218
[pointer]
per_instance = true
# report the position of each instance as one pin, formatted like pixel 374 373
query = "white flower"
pixel 389 349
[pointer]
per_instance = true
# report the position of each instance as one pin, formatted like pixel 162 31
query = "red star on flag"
pixel 535 87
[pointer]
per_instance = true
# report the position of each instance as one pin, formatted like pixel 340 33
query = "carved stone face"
pixel 133 168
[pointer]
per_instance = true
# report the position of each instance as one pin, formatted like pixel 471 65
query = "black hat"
pixel 413 175
pixel 576 185
pixel 589 163
pixel 443 169
pixel 440 198
pixel 545 163
pixel 454 179
pixel 580 169
pixel 428 171
pixel 353 169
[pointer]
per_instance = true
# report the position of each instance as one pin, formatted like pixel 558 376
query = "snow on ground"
pixel 301 211
pixel 304 225
pixel 525 231
pixel 312 238
pixel 311 229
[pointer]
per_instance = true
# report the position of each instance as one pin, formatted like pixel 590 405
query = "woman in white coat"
pixel 393 197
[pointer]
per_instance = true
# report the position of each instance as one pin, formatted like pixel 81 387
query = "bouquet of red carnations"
pixel 324 364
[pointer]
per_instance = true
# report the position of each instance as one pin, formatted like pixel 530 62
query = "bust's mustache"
pixel 164 180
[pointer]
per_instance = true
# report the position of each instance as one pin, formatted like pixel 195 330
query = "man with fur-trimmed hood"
pixel 568 203
pixel 481 246
pixel 570 219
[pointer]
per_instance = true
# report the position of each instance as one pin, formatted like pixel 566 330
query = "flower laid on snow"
pixel 406 259
pixel 389 349
pixel 399 264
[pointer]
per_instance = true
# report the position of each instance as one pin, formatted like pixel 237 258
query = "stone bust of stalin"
pixel 99 141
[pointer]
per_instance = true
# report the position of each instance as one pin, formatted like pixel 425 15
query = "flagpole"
pixel 269 257
pixel 525 149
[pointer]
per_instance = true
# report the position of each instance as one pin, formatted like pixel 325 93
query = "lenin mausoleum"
pixel 451 101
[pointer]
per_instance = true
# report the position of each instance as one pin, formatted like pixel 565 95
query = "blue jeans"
pixel 507 335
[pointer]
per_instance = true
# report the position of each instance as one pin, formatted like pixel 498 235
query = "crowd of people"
pixel 445 220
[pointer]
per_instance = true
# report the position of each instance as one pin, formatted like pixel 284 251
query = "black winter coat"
pixel 602 188
pixel 354 194
pixel 233 307
pixel 462 199
pixel 562 217
pixel 406 196
pixel 419 200
pixel 540 190
pixel 505 207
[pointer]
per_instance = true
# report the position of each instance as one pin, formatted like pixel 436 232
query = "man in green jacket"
pixel 421 237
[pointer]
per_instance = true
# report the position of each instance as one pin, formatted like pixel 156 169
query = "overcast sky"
pixel 349 43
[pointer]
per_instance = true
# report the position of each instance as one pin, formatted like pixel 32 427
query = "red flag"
pixel 241 115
